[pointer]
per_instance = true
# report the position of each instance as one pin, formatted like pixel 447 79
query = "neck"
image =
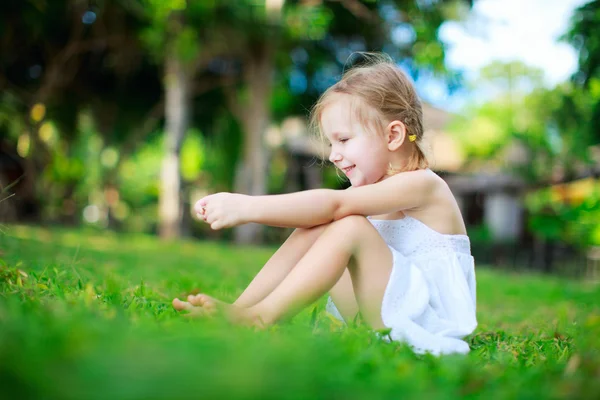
pixel 400 157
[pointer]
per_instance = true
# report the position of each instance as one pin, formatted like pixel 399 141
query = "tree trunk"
pixel 251 176
pixel 177 108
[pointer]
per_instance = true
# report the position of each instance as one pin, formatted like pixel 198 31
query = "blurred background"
pixel 119 114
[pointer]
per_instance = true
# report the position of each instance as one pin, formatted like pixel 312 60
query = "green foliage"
pixel 192 156
pixel 308 23
pixel 540 135
pixel 560 213
pixel 176 20
pixel 527 129
pixel 222 154
pixel 160 10
pixel 480 234
pixel 583 35
pixel 88 315
pixel 11 126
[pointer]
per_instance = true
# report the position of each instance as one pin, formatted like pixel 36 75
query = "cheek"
pixel 374 152
pixel 376 160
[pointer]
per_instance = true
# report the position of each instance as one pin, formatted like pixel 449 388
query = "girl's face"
pixel 362 156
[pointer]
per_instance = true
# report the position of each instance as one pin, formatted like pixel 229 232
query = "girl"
pixel 393 247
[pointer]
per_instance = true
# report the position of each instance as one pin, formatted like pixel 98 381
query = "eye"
pixel 343 140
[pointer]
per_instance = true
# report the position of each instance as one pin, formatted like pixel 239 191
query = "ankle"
pixel 241 304
pixel 260 316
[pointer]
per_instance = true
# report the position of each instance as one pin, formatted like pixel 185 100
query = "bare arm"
pixel 316 207
pixel 299 210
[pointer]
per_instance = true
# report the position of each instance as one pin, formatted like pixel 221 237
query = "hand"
pixel 223 210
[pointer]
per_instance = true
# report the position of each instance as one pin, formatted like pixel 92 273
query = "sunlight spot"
pixel 47 133
pixel 91 214
pixel 273 137
pixel 38 112
pixel 88 18
pixel 23 145
pixel 109 157
pixel 35 71
pixel 121 210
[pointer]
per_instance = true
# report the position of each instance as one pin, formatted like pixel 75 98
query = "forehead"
pixel 337 115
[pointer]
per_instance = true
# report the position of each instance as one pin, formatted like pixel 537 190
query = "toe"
pixel 181 305
pixel 196 300
pixel 208 303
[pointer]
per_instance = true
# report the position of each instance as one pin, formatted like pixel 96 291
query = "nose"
pixel 334 156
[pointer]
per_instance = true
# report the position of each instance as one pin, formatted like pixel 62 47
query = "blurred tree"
pixel 505 132
pixel 584 35
pixel 537 133
pixel 49 52
pixel 173 41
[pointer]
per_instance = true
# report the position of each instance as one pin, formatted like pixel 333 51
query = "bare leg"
pixel 279 265
pixel 321 268
pixel 342 293
pixel 343 297
pixel 271 275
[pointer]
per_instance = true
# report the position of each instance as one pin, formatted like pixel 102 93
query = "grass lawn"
pixel 87 315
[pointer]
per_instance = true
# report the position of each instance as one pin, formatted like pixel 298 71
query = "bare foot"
pixel 206 303
pixel 235 314
pixel 187 306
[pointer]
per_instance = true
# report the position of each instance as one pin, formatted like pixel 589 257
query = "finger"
pixel 204 201
pixel 201 204
pixel 198 207
pixel 201 217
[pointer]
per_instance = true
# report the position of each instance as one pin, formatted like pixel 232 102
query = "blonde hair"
pixel 388 95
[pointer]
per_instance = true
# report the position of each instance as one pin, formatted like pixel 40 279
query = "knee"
pixel 351 223
pixel 318 229
pixel 310 234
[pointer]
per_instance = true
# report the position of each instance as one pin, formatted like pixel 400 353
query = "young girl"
pixel 393 247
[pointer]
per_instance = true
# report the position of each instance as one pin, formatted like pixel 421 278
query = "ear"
pixel 395 134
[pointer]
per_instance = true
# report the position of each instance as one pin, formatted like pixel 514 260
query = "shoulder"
pixel 424 179
pixel 403 191
pixel 422 188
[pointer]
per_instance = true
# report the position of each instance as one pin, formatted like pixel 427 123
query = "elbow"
pixel 339 210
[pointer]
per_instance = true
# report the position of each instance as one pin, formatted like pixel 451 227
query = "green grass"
pixel 87 315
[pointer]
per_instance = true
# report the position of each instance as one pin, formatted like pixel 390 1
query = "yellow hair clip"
pixel 412 138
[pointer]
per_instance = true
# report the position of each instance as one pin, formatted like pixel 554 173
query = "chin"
pixel 362 180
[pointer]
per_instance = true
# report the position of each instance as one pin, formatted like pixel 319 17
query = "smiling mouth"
pixel 348 169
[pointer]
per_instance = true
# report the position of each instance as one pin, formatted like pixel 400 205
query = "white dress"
pixel 429 301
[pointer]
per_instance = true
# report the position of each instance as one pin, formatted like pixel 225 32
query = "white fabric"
pixel 429 301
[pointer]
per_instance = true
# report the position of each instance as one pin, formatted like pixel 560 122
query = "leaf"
pixel 313 317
